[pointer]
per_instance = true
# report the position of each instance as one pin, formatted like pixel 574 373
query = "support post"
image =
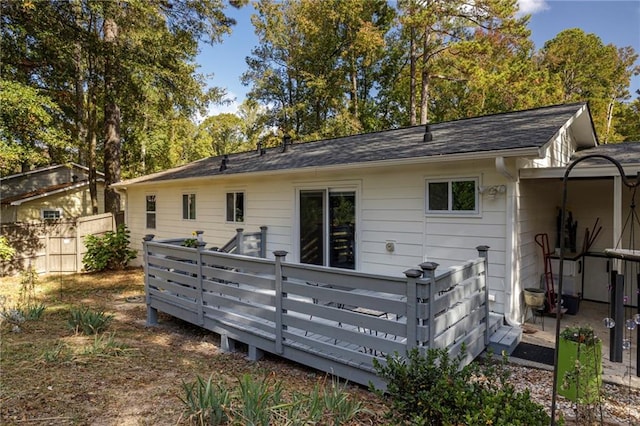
pixel 279 255
pixel 239 241
pixel 263 241
pixel 412 309
pixel 616 334
pixel 483 252
pixel 201 245
pixel 152 313
pixel 429 273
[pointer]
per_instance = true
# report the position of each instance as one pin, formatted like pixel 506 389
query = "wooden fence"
pixel 330 319
pixel 52 246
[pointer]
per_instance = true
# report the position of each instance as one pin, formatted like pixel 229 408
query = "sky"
pixel 615 22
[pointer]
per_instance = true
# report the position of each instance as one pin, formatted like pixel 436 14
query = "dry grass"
pixel 47 376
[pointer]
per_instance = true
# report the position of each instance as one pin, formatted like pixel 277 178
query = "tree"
pixel 28 134
pixel 432 32
pixel 115 70
pixel 316 63
pixel 628 120
pixel 591 71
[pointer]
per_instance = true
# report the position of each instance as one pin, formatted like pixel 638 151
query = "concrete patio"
pixel 589 313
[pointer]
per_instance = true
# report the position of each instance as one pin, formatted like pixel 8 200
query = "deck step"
pixel 505 339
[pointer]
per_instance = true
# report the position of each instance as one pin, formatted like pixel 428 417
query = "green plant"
pixel 6 251
pixel 106 345
pixel 28 281
pixel 33 312
pixel 109 252
pixel 339 404
pixel 60 352
pixel 436 389
pixel 580 334
pixel 257 399
pixel 88 321
pixel 206 403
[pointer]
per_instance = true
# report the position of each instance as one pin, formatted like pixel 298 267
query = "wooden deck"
pixel 330 319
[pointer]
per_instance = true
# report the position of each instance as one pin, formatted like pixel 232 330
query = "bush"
pixel 6 251
pixel 436 390
pixel 87 321
pixel 109 252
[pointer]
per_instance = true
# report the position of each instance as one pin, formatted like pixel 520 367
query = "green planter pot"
pixel 579 371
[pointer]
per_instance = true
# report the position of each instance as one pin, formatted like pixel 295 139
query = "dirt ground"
pixel 50 375
pixel 47 377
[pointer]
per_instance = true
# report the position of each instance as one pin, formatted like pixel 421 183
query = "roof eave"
pixel 529 152
pixel 49 193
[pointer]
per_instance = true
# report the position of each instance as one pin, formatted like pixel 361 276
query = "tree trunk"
pixel 112 142
pixel 412 77
pixel 424 94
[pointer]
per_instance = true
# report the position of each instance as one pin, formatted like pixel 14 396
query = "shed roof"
pixel 511 133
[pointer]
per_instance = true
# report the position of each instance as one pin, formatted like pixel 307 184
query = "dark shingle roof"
pixel 624 152
pixel 506 131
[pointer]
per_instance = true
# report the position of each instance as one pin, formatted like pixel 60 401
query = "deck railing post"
pixel 201 245
pixel 152 313
pixel 239 241
pixel 412 307
pixel 483 252
pixel 263 241
pixel 429 273
pixel 279 255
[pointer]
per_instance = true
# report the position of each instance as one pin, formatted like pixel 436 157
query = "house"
pixel 53 192
pixel 388 201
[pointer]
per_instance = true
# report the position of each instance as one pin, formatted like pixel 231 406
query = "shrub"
pixel 6 251
pixel 88 321
pixel 435 389
pixel 109 252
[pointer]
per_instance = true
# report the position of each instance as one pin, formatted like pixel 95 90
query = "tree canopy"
pixel 114 84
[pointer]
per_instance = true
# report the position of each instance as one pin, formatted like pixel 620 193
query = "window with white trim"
pixel 151 211
pixel 235 206
pixel 51 214
pixel 452 196
pixel 189 206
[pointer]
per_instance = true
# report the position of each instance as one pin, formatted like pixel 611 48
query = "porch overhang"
pixel 591 171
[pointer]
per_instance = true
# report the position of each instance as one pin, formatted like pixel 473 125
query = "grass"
pixel 128 374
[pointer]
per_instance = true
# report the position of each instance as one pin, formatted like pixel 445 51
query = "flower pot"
pixel 579 371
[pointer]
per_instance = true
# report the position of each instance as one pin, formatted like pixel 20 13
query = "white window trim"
pixel 195 199
pixel 42 211
pixel 146 212
pixel 449 211
pixel 244 205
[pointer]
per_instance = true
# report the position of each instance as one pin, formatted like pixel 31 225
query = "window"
pixel 51 214
pixel 235 206
pixel 452 196
pixel 189 206
pixel 151 211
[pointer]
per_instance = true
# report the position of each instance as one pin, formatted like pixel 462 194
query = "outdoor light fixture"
pixel 492 190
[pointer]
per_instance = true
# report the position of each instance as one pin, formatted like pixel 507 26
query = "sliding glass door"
pixel 328 228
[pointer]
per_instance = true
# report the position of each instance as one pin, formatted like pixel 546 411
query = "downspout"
pixel 511 223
